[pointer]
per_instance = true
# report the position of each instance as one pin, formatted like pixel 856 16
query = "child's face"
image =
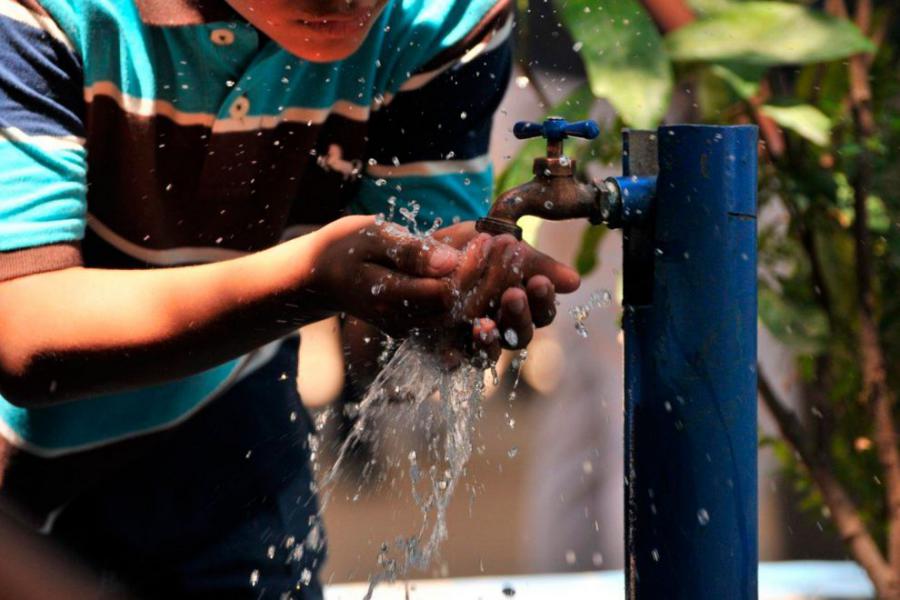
pixel 315 30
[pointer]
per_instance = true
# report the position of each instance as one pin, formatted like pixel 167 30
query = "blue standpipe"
pixel 687 207
pixel 690 363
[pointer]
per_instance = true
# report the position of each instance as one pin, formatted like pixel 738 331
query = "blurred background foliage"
pixel 827 138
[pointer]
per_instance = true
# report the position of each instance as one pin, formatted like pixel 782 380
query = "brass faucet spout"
pixel 553 198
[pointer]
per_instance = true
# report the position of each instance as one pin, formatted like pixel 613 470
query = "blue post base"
pixel 690 325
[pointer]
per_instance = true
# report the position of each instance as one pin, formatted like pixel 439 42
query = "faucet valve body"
pixel 553 193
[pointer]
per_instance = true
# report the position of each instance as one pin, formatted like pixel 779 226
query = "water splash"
pixel 453 398
pixel 581 312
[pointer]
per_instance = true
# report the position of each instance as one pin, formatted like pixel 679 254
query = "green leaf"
pixel 803 119
pixel 803 328
pixel 624 57
pixel 703 7
pixel 587 258
pixel 742 79
pixel 767 34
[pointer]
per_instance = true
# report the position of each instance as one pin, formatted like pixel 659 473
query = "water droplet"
pixel 703 517
pixel 597 559
pixel 254 577
pixel 270 552
pixel 511 337
pixel 578 46
pixel 512 452
pixel 654 554
pixel 570 557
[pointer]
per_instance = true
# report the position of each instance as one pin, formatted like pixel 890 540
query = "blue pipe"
pixel 690 327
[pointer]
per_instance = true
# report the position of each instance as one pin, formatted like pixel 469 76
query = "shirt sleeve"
pixel 42 149
pixel 428 143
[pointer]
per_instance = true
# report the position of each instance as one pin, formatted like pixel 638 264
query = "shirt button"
pixel 239 108
pixel 222 37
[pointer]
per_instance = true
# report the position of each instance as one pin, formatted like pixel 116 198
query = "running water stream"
pixel 415 375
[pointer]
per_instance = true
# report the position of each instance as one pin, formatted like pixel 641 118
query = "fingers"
pixel 474 262
pixel 564 278
pixel 457 235
pixel 541 300
pixel 394 246
pixel 497 266
pixel 515 319
pixel 485 342
pixel 419 299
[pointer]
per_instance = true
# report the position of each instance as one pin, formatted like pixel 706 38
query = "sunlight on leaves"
pixel 624 57
pixel 805 120
pixel 767 33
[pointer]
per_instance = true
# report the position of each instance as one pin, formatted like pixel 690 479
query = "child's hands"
pixel 497 288
pixel 510 288
pixel 383 274
pixel 505 286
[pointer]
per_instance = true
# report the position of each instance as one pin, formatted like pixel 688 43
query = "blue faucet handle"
pixel 556 129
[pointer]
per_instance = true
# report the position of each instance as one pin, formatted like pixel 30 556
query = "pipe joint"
pixel 626 200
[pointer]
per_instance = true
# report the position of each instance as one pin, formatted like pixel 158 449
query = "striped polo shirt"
pixel 157 133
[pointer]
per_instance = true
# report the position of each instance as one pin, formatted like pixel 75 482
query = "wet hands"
pixel 383 274
pixel 468 291
pixel 505 288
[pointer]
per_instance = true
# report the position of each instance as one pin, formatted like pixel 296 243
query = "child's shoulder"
pixel 423 35
pixel 445 21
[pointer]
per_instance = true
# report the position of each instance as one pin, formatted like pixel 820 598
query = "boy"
pixel 163 160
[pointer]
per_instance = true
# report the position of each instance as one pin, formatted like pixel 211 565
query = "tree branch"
pixel 669 14
pixel 875 389
pixel 844 513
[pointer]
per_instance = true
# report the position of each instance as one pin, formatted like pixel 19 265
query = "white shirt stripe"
pixel 17 12
pixel 168 257
pixel 150 107
pixel 47 143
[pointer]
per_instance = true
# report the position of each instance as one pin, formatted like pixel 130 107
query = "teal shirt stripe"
pixel 43 194
pixel 84 422
pixel 454 197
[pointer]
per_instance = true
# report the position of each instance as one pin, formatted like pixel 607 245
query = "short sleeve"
pixel 42 149
pixel 428 144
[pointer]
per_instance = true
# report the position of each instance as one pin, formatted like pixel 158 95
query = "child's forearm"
pixel 76 332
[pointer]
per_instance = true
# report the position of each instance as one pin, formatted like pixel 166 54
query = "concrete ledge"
pixel 801 580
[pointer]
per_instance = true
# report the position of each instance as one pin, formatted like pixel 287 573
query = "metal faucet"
pixel 556 195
